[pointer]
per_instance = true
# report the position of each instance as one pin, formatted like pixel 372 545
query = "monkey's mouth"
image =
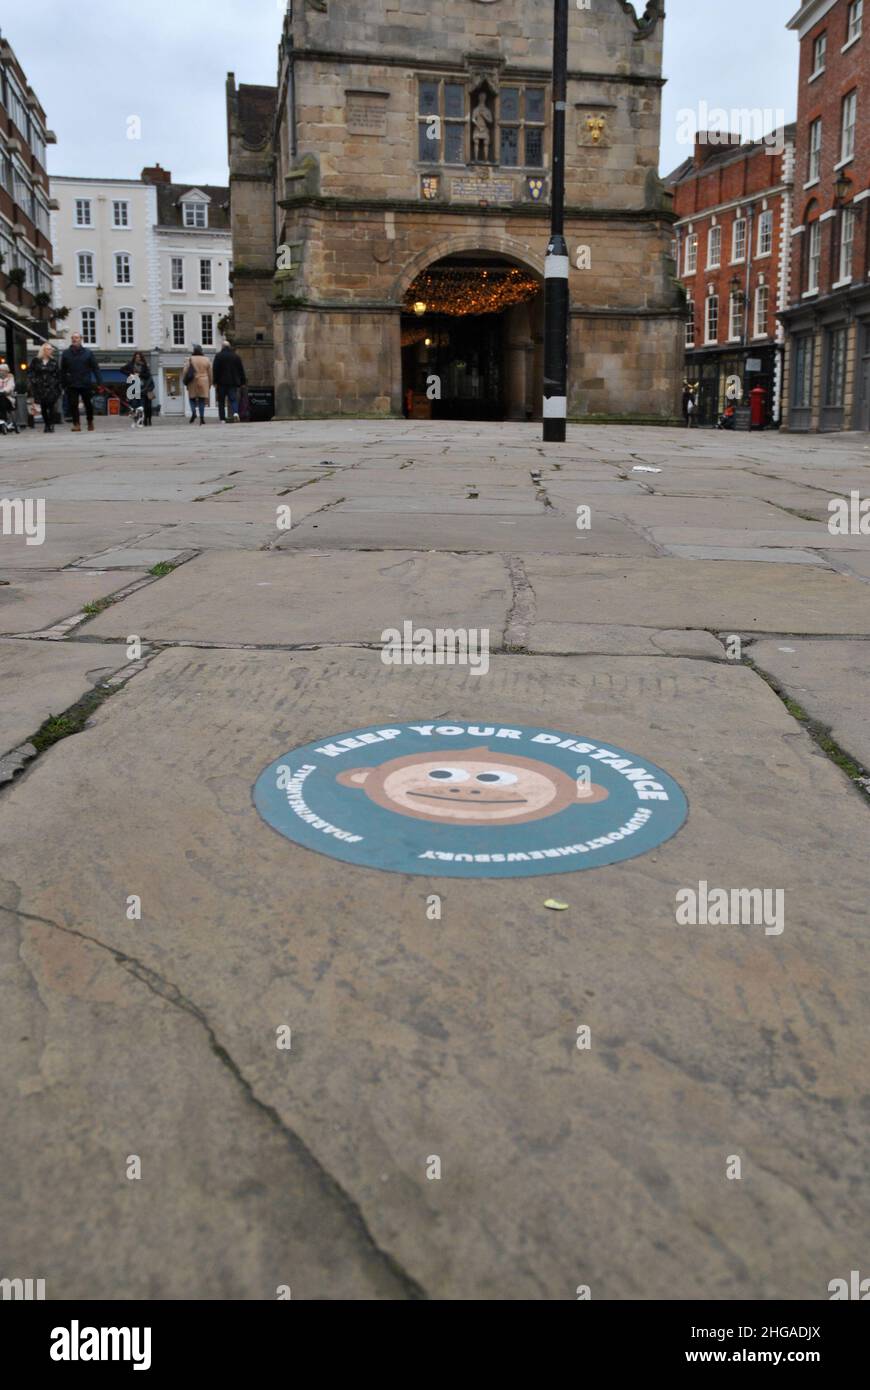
pixel 489 801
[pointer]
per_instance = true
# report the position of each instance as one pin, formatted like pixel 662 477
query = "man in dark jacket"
pixel 79 372
pixel 228 375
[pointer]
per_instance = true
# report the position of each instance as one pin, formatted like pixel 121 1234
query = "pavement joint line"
pixel 820 733
pixel 331 1187
pixel 276 543
pixel 72 720
pixel 58 631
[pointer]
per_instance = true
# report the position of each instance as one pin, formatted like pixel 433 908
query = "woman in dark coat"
pixel 43 384
pixel 139 367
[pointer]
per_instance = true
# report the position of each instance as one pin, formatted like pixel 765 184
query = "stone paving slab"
pixel 830 680
pixel 158 485
pixel 554 533
pixel 413 1037
pixel 718 595
pixel 66 543
pixel 32 600
pixel 129 558
pixel 811 537
pixel 284 598
pixel 42 678
pixel 216 535
pixel 471 508
pixel 712 514
pixel 97 1066
pixel 858 561
pixel 588 638
pixel 756 554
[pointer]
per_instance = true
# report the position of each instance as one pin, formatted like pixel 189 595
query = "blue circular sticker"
pixel 469 800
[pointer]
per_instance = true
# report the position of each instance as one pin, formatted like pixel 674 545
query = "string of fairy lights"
pixel 460 290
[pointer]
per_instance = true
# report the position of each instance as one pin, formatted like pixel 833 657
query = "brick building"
pixel 25 242
pixel 733 203
pixel 828 315
pixel 390 213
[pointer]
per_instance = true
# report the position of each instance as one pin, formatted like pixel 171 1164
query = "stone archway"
pixel 472 331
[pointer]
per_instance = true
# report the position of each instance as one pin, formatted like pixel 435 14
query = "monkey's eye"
pixel 497 779
pixel 448 774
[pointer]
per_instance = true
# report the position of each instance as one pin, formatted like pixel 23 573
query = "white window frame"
pixel 191 213
pixel 814 168
pixel 814 257
pixel 88 309
pixel 206 339
pixel 847 244
pixel 714 237
pixel 121 205
pixel 122 341
pixel 821 42
pixel 175 341
pixel 124 256
pixel 83 206
pixel 854 22
pixel 765 224
pixel 173 262
pixel 736 257
pixel 848 127
pixel 209 288
pixel 736 317
pixel 762 293
pixel 711 300
pixel 690 324
pixel 80 280
pixel 691 258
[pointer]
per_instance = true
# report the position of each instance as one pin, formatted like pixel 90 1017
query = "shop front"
pixel 717 371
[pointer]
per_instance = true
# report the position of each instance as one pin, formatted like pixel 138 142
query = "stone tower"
pixel 390 211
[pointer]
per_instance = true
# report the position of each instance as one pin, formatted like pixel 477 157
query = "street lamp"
pixel 556 263
pixel 419 308
pixel 842 188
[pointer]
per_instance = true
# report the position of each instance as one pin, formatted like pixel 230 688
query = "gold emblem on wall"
pixel 595 125
pixel 430 186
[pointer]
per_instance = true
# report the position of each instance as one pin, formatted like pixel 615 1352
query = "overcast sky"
pixel 94 66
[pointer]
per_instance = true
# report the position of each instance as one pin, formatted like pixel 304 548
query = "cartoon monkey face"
pixel 470 786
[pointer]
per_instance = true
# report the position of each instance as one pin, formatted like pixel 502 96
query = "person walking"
pixel 43 384
pixel 79 373
pixel 7 400
pixel 198 380
pixel 228 374
pixel 137 366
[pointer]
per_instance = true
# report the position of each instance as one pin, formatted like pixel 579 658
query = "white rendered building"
pixel 144 265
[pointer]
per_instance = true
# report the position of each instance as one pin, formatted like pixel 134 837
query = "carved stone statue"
pixel 481 120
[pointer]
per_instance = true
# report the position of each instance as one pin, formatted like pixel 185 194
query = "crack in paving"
pixel 330 1186
pixel 522 610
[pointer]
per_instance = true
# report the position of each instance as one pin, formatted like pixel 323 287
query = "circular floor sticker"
pixel 469 800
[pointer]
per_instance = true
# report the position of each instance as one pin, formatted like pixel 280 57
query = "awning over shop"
pixel 23 326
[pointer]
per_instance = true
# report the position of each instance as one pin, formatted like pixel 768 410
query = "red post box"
pixel 756 407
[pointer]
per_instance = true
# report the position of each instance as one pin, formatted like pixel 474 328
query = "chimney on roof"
pixel 156 175
pixel 707 142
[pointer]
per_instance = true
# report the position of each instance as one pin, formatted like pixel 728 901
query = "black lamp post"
pixel 556 264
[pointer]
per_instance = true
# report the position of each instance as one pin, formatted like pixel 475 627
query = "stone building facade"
pixel 733 202
pixel 390 215
pixel 827 319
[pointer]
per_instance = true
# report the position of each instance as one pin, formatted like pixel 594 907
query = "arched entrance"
pixel 472 335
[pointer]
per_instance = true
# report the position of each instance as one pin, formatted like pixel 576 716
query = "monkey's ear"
pixel 353 776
